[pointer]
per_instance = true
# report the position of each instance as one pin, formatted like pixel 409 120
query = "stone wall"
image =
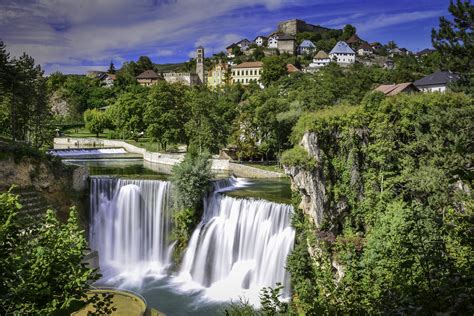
pixel 221 165
pixel 287 46
pixel 298 26
pixel 61 186
pixel 153 157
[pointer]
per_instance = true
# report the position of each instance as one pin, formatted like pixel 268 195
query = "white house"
pixel 321 59
pixel 342 54
pixel 244 44
pixel 247 72
pixel 260 40
pixel 365 50
pixel 273 40
pixel 436 82
pixel 306 47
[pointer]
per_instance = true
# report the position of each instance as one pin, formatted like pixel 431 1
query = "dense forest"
pixel 392 175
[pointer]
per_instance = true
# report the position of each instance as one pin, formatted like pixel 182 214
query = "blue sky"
pixel 74 36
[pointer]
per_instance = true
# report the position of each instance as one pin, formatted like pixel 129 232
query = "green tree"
pixel 348 31
pixel 165 114
pixel 206 128
pixel 274 67
pixel 144 63
pixel 23 93
pixel 191 181
pixel 392 45
pixel 96 121
pixel 111 69
pixel 455 40
pixel 127 112
pixel 42 269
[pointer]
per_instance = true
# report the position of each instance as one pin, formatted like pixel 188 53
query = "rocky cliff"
pixel 61 186
pixel 320 204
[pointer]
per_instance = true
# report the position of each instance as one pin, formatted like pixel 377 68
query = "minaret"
pixel 200 64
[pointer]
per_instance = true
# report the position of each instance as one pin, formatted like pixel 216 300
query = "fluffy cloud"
pixel 74 34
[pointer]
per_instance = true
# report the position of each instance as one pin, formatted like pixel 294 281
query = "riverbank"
pixel 219 165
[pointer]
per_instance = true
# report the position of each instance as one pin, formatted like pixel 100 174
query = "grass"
pixel 81 132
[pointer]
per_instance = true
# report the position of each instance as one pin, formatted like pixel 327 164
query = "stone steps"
pixel 34 206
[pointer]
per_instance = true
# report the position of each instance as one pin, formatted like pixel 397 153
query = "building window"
pixel 246 72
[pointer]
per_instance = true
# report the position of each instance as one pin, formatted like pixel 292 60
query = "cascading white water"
pixel 240 246
pixel 86 151
pixel 130 226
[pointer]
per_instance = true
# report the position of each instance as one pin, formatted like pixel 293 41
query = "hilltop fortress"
pixel 295 26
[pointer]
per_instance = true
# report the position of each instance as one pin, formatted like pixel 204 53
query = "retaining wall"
pixel 161 158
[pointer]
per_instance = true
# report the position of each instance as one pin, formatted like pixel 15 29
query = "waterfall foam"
pixel 130 226
pixel 239 247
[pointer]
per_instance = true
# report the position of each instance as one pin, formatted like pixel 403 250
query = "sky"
pixel 74 36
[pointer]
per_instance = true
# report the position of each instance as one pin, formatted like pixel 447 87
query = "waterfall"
pixel 86 151
pixel 240 246
pixel 130 226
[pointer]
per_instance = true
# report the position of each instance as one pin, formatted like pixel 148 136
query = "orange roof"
pixel 250 64
pixel 394 89
pixel 292 68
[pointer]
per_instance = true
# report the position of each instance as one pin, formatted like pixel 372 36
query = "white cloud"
pixel 165 52
pixel 384 20
pixel 66 31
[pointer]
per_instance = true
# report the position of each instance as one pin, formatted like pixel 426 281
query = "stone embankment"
pixel 219 165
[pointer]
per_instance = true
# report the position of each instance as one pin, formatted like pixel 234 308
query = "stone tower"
pixel 200 64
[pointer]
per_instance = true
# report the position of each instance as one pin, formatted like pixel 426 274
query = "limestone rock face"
pixel 61 187
pixel 310 184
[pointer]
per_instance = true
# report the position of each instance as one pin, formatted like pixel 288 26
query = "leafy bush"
pixel 42 269
pixel 191 181
pixel 298 157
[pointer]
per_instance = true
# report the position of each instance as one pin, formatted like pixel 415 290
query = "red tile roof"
pixel 292 68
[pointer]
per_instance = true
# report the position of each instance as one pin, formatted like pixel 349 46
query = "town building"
pixel 189 78
pixel 286 44
pixel 185 78
pixel 149 78
pixel 108 80
pixel 244 44
pixel 395 51
pixel 273 40
pixel 389 64
pixel 342 54
pixel 321 59
pixel 354 41
pixel 394 89
pixel 365 50
pixel 292 68
pixel 261 40
pixel 306 48
pixel 217 75
pixel 230 50
pixel 425 52
pixel 436 82
pixel 247 72
pixel 200 65
pixel 376 45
